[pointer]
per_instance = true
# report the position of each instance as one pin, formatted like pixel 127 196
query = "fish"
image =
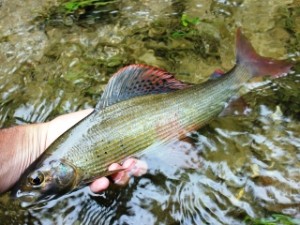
pixel 141 107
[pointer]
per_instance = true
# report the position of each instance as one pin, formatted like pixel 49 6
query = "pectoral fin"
pixel 105 174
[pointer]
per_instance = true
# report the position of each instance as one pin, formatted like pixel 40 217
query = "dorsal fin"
pixel 137 80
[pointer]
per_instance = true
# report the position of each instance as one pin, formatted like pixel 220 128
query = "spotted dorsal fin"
pixel 137 80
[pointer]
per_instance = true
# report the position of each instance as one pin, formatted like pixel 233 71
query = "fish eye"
pixel 36 178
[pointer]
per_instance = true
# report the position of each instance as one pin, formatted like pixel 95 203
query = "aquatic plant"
pixel 189 21
pixel 275 219
pixel 187 26
pixel 73 5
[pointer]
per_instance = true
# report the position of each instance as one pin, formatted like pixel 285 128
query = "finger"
pixel 133 167
pixel 99 185
pixel 120 178
pixel 102 183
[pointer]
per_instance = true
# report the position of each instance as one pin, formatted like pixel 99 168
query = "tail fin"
pixel 258 65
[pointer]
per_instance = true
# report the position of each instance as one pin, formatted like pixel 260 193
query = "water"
pixel 53 63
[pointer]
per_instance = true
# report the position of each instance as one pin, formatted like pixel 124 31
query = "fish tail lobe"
pixel 258 65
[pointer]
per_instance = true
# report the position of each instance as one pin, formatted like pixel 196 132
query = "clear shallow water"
pixel 239 165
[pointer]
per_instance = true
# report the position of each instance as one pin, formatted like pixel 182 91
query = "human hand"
pixel 21 145
pixel 132 167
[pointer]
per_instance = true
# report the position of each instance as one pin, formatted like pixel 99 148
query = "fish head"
pixel 44 182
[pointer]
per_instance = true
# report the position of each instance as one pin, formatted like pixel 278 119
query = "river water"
pixel 54 62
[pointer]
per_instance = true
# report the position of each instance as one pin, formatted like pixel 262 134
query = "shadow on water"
pixel 56 59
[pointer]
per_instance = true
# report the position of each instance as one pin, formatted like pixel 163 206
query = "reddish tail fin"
pixel 258 65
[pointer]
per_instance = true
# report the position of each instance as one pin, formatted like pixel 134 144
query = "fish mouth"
pixel 31 198
pixel 26 196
